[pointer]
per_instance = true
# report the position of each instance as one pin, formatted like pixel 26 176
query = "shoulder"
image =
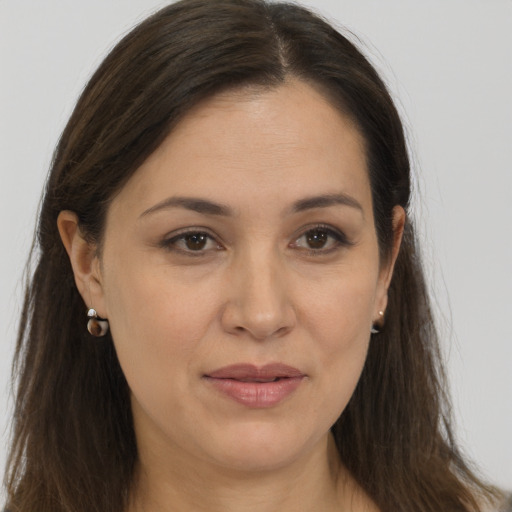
pixel 507 504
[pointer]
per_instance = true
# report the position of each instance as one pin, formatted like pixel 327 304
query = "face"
pixel 240 274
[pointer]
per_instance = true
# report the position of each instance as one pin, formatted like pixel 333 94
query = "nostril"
pixel 260 316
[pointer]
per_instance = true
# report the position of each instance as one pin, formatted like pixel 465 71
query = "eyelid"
pixel 169 241
pixel 338 235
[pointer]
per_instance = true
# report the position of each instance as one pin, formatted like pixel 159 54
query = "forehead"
pixel 250 143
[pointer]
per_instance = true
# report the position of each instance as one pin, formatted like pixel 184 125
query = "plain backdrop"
pixel 448 63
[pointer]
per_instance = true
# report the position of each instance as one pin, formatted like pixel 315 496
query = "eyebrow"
pixel 207 207
pixel 325 201
pixel 190 203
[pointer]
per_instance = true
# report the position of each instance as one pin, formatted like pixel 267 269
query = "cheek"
pixel 146 297
pixel 339 321
pixel 157 325
pixel 340 307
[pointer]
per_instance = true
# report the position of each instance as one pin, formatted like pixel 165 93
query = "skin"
pixel 267 283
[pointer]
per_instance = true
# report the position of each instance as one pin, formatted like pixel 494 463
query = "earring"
pixel 375 327
pixel 96 326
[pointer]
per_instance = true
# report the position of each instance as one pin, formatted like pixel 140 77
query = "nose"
pixel 259 302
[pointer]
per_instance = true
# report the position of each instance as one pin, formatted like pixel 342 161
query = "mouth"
pixel 261 380
pixel 256 387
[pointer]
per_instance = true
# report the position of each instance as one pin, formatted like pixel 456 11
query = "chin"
pixel 261 447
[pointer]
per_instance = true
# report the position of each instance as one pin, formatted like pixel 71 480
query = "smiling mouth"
pixel 256 387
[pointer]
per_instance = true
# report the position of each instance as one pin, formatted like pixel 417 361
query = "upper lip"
pixel 251 372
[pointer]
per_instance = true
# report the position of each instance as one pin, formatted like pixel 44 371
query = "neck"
pixel 318 481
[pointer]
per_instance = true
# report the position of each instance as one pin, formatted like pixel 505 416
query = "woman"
pixel 226 213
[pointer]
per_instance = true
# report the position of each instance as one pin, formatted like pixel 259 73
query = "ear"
pixel 386 271
pixel 84 261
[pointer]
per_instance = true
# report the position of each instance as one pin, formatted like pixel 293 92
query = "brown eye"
pixel 192 243
pixel 321 240
pixel 317 238
pixel 196 241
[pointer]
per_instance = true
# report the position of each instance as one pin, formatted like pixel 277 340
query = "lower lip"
pixel 257 395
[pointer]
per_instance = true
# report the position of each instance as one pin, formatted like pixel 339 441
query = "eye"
pixel 192 242
pixel 321 240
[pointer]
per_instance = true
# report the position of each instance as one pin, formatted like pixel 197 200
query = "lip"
pixel 256 386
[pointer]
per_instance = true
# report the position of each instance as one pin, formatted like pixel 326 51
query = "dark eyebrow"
pixel 324 201
pixel 190 203
pixel 210 208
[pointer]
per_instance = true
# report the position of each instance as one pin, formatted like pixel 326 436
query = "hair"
pixel 74 446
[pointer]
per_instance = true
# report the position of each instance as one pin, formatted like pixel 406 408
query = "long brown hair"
pixel 73 446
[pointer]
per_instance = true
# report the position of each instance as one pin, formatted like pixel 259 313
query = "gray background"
pixel 448 63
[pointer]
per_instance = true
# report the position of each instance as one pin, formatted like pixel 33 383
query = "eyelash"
pixel 340 240
pixel 171 243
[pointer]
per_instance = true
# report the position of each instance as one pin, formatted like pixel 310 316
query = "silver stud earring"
pixel 97 326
